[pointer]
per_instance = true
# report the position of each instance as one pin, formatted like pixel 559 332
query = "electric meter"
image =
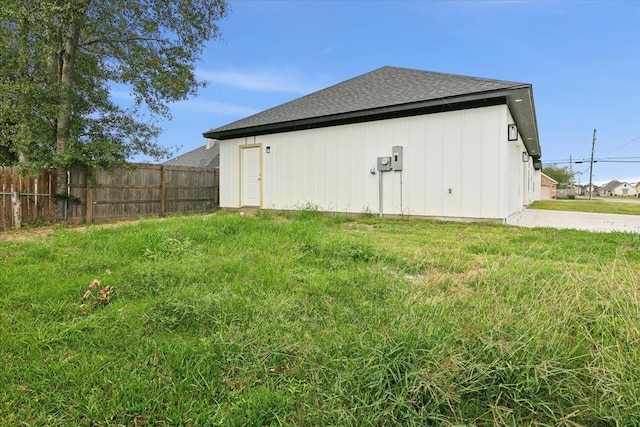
pixel 384 163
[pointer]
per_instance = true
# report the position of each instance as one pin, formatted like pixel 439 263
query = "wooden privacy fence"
pixel 35 195
pixel 137 190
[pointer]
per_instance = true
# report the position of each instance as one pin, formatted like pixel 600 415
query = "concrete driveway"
pixel 576 220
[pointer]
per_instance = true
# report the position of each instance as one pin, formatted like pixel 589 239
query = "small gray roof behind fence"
pixel 202 157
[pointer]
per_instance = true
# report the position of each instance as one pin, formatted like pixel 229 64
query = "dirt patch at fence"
pixel 29 234
pixel 38 232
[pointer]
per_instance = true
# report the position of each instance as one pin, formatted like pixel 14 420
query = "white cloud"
pixel 261 81
pixel 215 107
pixel 193 104
pixel 323 52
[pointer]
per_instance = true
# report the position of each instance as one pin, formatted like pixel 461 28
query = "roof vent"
pixel 210 143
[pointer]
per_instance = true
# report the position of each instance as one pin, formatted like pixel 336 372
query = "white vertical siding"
pixel 452 161
pixel 531 193
pixel 515 177
pixel 343 172
pixel 434 163
pixel 320 146
pixel 523 181
pixel 401 132
pixel 370 154
pixel 330 174
pixel 360 166
pixel 289 172
pixel 229 174
pixel 535 183
pixel 492 174
pixel 416 189
pixel 465 151
pixel 472 165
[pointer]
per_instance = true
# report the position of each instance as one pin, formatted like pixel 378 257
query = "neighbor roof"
pixel 202 157
pixel 612 185
pixel 549 178
pixel 391 92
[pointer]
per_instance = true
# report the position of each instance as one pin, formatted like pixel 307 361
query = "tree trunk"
pixel 63 121
pixel 65 65
pixel 68 59
pixel 16 205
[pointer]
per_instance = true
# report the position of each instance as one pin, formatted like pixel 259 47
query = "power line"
pixel 564 161
pixel 623 145
pixel 622 158
pixel 617 161
pixel 596 160
pixel 593 146
pixel 630 159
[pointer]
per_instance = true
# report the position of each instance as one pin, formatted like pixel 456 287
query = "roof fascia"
pixel 415 108
pixel 348 118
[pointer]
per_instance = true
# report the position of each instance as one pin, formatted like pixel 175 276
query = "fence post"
pixel 51 186
pixel 2 202
pixel 163 191
pixel 216 189
pixel 35 196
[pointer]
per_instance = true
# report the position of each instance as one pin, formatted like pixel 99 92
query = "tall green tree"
pixel 562 175
pixel 59 60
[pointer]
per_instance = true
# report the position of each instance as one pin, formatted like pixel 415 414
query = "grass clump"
pixel 313 319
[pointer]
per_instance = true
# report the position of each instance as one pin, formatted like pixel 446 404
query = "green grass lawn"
pixel 594 205
pixel 306 319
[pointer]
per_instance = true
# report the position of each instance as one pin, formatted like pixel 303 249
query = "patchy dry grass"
pixel 302 318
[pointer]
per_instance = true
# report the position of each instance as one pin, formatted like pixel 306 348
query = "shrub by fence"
pixel 94 194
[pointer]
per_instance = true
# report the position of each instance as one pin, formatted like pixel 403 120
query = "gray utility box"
pixel 396 158
pixel 384 163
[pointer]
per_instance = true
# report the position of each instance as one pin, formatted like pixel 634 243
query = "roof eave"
pixel 520 103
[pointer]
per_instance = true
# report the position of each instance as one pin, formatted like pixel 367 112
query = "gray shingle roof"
pixel 611 185
pixel 202 157
pixel 389 90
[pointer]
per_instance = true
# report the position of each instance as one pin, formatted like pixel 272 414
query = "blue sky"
pixel 582 58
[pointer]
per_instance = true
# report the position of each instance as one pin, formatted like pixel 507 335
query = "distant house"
pixel 617 188
pixel 548 187
pixel 594 190
pixel 206 157
pixel 578 189
pixel 391 141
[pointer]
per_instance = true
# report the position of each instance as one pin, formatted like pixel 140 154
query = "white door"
pixel 251 175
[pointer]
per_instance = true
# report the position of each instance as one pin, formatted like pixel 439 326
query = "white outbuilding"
pixel 393 141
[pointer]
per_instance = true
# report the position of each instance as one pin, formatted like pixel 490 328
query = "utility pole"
pixel 593 146
pixel 571 172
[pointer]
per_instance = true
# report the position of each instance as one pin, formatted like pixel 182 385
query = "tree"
pixel 60 59
pixel 563 175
